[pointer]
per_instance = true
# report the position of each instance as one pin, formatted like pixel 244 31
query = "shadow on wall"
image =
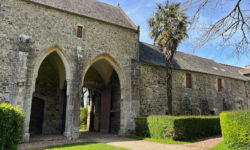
pixel 200 108
pixel 236 104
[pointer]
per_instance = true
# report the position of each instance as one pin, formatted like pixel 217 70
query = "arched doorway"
pixel 104 100
pixel 49 99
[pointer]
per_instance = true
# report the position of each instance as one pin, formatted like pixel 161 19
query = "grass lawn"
pixel 83 128
pixel 165 140
pixel 223 146
pixel 84 146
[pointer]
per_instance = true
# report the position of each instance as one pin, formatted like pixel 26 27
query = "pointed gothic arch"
pixel 65 78
pixel 103 75
pixel 111 61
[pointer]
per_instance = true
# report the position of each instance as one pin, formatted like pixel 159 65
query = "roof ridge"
pixel 116 18
pixel 123 13
pixel 189 62
pixel 231 66
pixel 199 57
pixel 184 53
pixel 126 16
pixel 104 3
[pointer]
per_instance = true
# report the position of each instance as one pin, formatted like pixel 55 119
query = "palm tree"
pixel 168 28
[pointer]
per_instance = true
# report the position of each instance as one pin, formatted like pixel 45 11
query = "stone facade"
pixel 29 36
pixel 153 95
pixel 31 33
pixel 203 97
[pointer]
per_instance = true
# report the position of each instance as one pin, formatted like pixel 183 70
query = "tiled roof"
pixel 149 54
pixel 92 9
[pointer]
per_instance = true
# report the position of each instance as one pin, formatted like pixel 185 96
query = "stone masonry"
pixel 33 30
pixel 203 97
pixel 153 92
pixel 29 36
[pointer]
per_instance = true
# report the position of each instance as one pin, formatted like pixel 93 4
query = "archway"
pixel 48 110
pixel 104 97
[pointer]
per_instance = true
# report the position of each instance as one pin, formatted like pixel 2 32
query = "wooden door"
pixel 105 110
pixel 36 118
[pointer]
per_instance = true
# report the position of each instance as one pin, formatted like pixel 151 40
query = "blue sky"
pixel 141 10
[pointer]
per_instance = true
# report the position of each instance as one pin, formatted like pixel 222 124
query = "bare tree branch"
pixel 233 29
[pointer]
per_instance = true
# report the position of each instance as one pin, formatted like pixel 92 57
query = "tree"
pixel 168 28
pixel 232 29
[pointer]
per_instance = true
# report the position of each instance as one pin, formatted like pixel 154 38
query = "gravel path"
pixel 124 142
pixel 208 143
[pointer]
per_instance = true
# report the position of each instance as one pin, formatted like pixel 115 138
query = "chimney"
pixel 245 71
pixel 247 67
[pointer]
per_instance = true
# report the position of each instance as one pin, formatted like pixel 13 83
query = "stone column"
pixel 69 110
pixel 76 108
pixel 72 118
pixel 21 77
pixel 27 101
pixel 23 89
pixel 130 102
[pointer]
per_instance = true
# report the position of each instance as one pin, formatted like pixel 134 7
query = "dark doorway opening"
pixel 36 118
pixel 49 99
pixel 104 98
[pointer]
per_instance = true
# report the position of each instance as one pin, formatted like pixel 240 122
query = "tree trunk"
pixel 169 85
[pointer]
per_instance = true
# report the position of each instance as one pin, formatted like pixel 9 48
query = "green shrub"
pixel 236 128
pixel 83 116
pixel 177 128
pixel 141 128
pixel 11 126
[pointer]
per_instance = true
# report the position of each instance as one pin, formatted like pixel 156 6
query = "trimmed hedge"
pixel 236 128
pixel 177 127
pixel 11 126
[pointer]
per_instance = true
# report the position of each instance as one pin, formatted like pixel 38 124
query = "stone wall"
pixel 152 90
pixel 30 32
pixel 203 98
pixel 204 94
pixel 37 30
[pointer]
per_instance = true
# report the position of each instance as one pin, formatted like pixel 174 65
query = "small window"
pixel 219 85
pixel 79 31
pixel 188 80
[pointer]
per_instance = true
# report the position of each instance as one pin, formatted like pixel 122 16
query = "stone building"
pixel 51 50
pixel 200 86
